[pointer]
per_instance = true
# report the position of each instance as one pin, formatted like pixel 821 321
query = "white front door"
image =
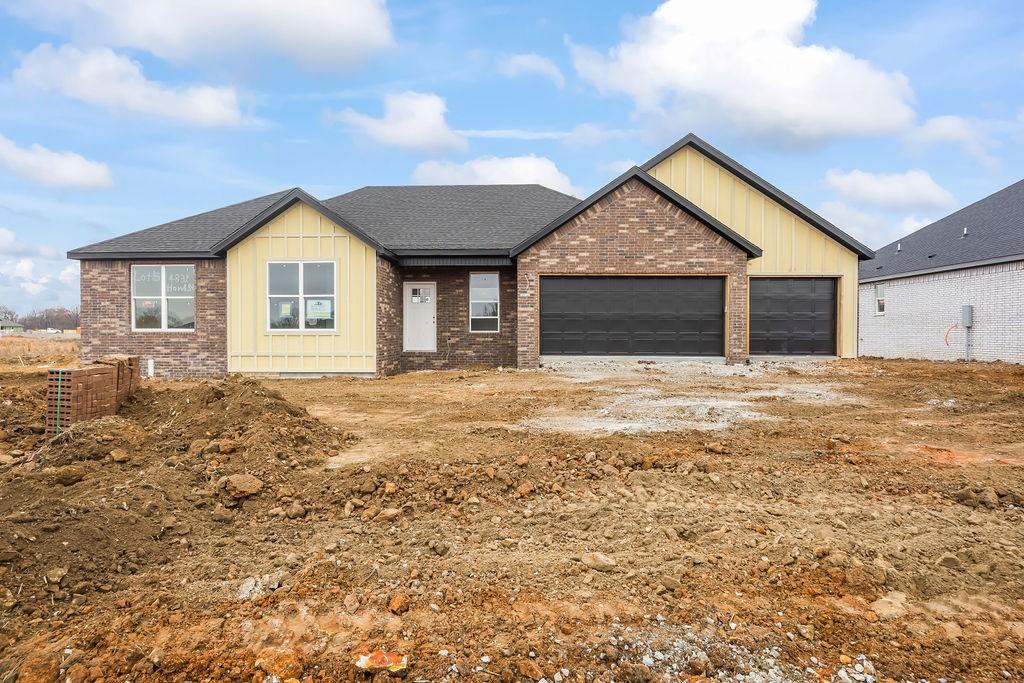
pixel 419 316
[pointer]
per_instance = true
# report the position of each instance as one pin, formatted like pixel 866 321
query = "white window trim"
pixel 879 298
pixel 497 317
pixel 163 297
pixel 301 296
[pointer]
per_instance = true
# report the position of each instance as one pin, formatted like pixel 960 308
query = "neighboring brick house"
pixel 689 255
pixel 913 294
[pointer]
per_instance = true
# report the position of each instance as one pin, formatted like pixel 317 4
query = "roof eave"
pixel 863 252
pixel 751 249
pixel 79 255
pixel 450 252
pixel 944 269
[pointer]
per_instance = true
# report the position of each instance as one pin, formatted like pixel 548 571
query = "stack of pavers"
pixel 76 394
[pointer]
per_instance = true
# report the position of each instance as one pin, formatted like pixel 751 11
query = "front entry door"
pixel 419 316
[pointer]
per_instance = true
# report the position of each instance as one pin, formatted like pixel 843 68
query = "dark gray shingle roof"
pixel 193 235
pixel 995 230
pixel 449 217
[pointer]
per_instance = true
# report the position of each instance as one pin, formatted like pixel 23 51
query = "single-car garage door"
pixel 638 316
pixel 793 316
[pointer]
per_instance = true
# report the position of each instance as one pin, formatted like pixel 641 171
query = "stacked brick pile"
pixel 76 394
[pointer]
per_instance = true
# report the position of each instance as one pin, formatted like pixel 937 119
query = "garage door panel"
pixel 632 315
pixel 793 316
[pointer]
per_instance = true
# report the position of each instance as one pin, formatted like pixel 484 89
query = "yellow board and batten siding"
pixel 790 246
pixel 302 233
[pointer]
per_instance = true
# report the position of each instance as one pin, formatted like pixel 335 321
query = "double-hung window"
pixel 300 295
pixel 483 302
pixel 879 299
pixel 164 297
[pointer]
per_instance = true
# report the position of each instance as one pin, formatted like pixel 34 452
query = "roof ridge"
pixel 457 186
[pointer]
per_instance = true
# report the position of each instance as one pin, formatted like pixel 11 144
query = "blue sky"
pixel 119 115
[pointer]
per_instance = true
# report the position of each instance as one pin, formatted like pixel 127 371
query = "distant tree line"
pixel 58 318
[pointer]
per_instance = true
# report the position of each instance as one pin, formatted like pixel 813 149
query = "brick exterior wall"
pixel 920 310
pixel 107 326
pixel 457 347
pixel 633 230
pixel 389 318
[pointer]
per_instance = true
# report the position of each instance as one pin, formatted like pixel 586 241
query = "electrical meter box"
pixel 967 315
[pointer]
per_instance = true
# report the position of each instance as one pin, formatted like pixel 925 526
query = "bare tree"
pixel 7 313
pixel 57 318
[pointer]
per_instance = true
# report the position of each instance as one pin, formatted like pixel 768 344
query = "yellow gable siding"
pixel 790 246
pixel 302 233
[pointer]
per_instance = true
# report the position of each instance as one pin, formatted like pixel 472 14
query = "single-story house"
pixel 952 290
pixel 11 327
pixel 690 254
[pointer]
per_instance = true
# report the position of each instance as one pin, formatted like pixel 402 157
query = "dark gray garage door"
pixel 639 316
pixel 793 316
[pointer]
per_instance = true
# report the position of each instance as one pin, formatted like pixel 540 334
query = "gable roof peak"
pixel 639 174
pixel 763 186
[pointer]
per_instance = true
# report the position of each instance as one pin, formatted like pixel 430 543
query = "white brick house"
pixel 912 294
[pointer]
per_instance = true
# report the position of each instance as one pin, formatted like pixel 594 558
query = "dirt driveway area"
pixel 849 520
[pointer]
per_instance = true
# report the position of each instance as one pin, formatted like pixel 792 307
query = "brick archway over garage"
pixel 633 230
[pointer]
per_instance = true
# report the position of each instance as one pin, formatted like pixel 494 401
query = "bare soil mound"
pixel 99 502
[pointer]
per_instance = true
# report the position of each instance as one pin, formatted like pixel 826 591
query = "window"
pixel 483 302
pixel 163 298
pixel 300 295
pixel 879 299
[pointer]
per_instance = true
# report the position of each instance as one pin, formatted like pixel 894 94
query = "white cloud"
pixel 31 274
pixel 69 274
pixel 57 169
pixel 101 77
pixel 914 189
pixel 583 135
pixel 617 167
pixel 530 63
pixel 21 274
pixel 744 62
pixel 967 133
pixel 412 120
pixel 513 134
pixel 869 228
pixel 495 170
pixel 591 134
pixel 10 245
pixel 872 229
pixel 318 33
pixel 910 224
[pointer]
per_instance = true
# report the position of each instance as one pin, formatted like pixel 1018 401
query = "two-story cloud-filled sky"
pixel 116 115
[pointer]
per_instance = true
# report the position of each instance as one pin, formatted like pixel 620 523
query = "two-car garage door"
pixel 682 316
pixel 638 316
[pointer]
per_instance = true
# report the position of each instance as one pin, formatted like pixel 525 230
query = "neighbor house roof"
pixel 766 188
pixel 665 191
pixel 994 234
pixel 451 218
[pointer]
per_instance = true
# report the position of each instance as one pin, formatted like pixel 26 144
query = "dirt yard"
pixel 849 521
